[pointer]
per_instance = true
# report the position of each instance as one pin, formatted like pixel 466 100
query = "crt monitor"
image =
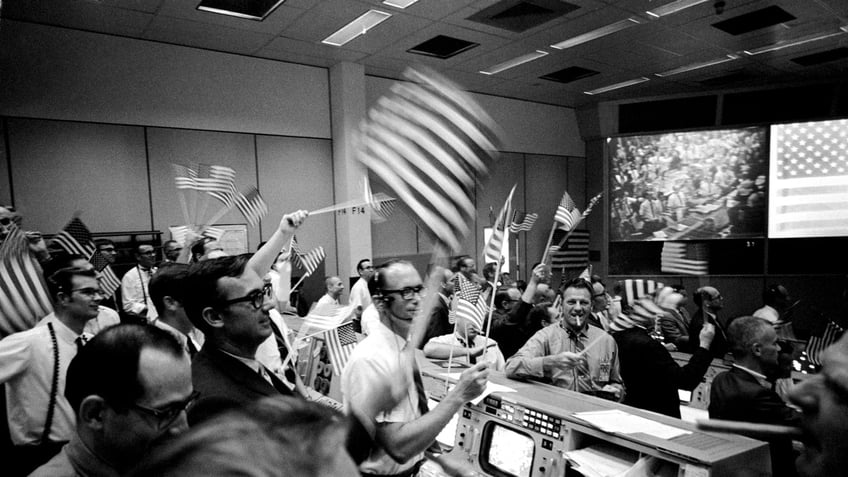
pixel 506 452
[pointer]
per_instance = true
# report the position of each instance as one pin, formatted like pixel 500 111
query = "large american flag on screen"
pixel 809 179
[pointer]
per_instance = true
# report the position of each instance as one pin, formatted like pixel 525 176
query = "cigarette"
pixel 750 429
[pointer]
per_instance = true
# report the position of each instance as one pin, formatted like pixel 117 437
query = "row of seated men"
pixel 131 387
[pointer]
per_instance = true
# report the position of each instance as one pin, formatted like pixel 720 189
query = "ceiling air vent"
pixel 521 15
pixel 748 22
pixel 567 75
pixel 442 46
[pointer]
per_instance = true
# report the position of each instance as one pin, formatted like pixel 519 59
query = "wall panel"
pixel 296 173
pixel 546 177
pixel 5 184
pixel 507 171
pixel 61 168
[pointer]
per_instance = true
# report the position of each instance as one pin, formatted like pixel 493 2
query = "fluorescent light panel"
pixel 673 7
pixel 515 62
pixel 399 3
pixel 220 8
pixel 360 26
pixel 800 41
pixel 595 34
pixel 696 66
pixel 623 84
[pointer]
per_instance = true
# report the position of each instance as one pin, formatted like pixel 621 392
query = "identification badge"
pixel 604 372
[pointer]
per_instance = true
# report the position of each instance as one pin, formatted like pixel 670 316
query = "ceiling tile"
pixel 204 35
pixel 88 16
pixel 283 16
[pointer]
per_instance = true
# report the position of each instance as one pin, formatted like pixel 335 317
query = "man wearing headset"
pixel 382 386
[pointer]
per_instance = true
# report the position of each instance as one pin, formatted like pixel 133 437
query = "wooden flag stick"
pixel 215 218
pixel 183 205
pixel 300 281
pixel 750 429
pixel 548 244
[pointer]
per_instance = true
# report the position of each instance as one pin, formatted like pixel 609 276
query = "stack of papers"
pixel 601 460
pixel 620 422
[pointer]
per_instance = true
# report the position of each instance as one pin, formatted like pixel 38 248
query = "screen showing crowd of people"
pixel 189 367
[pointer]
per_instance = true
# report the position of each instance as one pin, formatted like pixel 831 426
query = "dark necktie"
pixel 423 408
pixel 192 349
pixel 278 384
pixel 80 341
pixel 284 351
pixel 581 368
pixel 469 344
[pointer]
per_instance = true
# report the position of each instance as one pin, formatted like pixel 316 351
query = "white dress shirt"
pixel 134 294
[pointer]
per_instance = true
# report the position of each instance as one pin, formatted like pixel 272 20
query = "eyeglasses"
pixel 107 249
pixel 407 293
pixel 5 221
pixel 149 252
pixel 255 298
pixel 90 292
pixel 168 415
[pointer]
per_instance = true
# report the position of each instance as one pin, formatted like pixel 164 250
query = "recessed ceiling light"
pixel 515 62
pixel 595 34
pixel 399 3
pixel 673 7
pixel 360 26
pixel 623 84
pixel 799 41
pixel 255 10
pixel 696 66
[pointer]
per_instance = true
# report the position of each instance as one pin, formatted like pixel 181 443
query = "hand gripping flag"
pixel 24 298
pixel 429 142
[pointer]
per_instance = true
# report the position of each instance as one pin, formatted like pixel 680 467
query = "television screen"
pixel 506 452
pixel 688 185
pixel 809 180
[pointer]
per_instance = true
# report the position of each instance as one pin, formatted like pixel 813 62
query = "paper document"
pixel 620 422
pixel 601 460
pixel 490 387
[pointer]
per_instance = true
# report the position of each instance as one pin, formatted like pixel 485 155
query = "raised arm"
pixel 262 260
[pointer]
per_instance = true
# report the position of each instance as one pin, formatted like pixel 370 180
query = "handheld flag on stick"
pixel 24 298
pixel 494 247
pixel 567 213
pixel 251 206
pixel 468 302
pixel 76 239
pixel 522 222
pixel 428 141
pixel 340 344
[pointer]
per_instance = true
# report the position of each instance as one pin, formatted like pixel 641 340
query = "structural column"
pixel 353 224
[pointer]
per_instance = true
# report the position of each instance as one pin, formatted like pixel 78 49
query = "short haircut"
pixel 597 279
pixel 330 279
pixel 199 247
pixel 273 436
pixel 359 264
pixel 489 270
pixel 62 279
pixel 103 242
pixel 201 289
pixel 501 296
pixel 60 260
pixel 774 294
pixel 743 332
pixel 169 280
pixel 578 283
pixel 378 282
pixel 107 366
pixel 169 242
pixel 459 261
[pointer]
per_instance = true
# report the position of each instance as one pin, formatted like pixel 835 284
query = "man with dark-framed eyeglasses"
pixel 130 388
pixel 227 299
pixel 382 386
pixel 33 365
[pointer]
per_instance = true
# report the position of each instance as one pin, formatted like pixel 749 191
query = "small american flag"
pixel 217 181
pixel 310 260
pixel 494 247
pixel 817 344
pixel 382 205
pixel 24 298
pixel 75 238
pixel 324 318
pixel 567 213
pixel 635 289
pixel 429 142
pixel 340 344
pixel 109 282
pixel 809 179
pixel 685 258
pixel 251 206
pixel 574 254
pixel 522 222
pixel 184 177
pixel 467 303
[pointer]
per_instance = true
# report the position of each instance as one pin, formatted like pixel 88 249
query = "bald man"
pixel 335 287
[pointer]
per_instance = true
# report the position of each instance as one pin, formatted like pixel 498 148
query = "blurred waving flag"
pixel 308 261
pixel 109 282
pixel 494 247
pixel 251 206
pixel 340 344
pixel 429 142
pixel 809 179
pixel 567 214
pixel 685 258
pixel 217 181
pixel 522 222
pixel 24 298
